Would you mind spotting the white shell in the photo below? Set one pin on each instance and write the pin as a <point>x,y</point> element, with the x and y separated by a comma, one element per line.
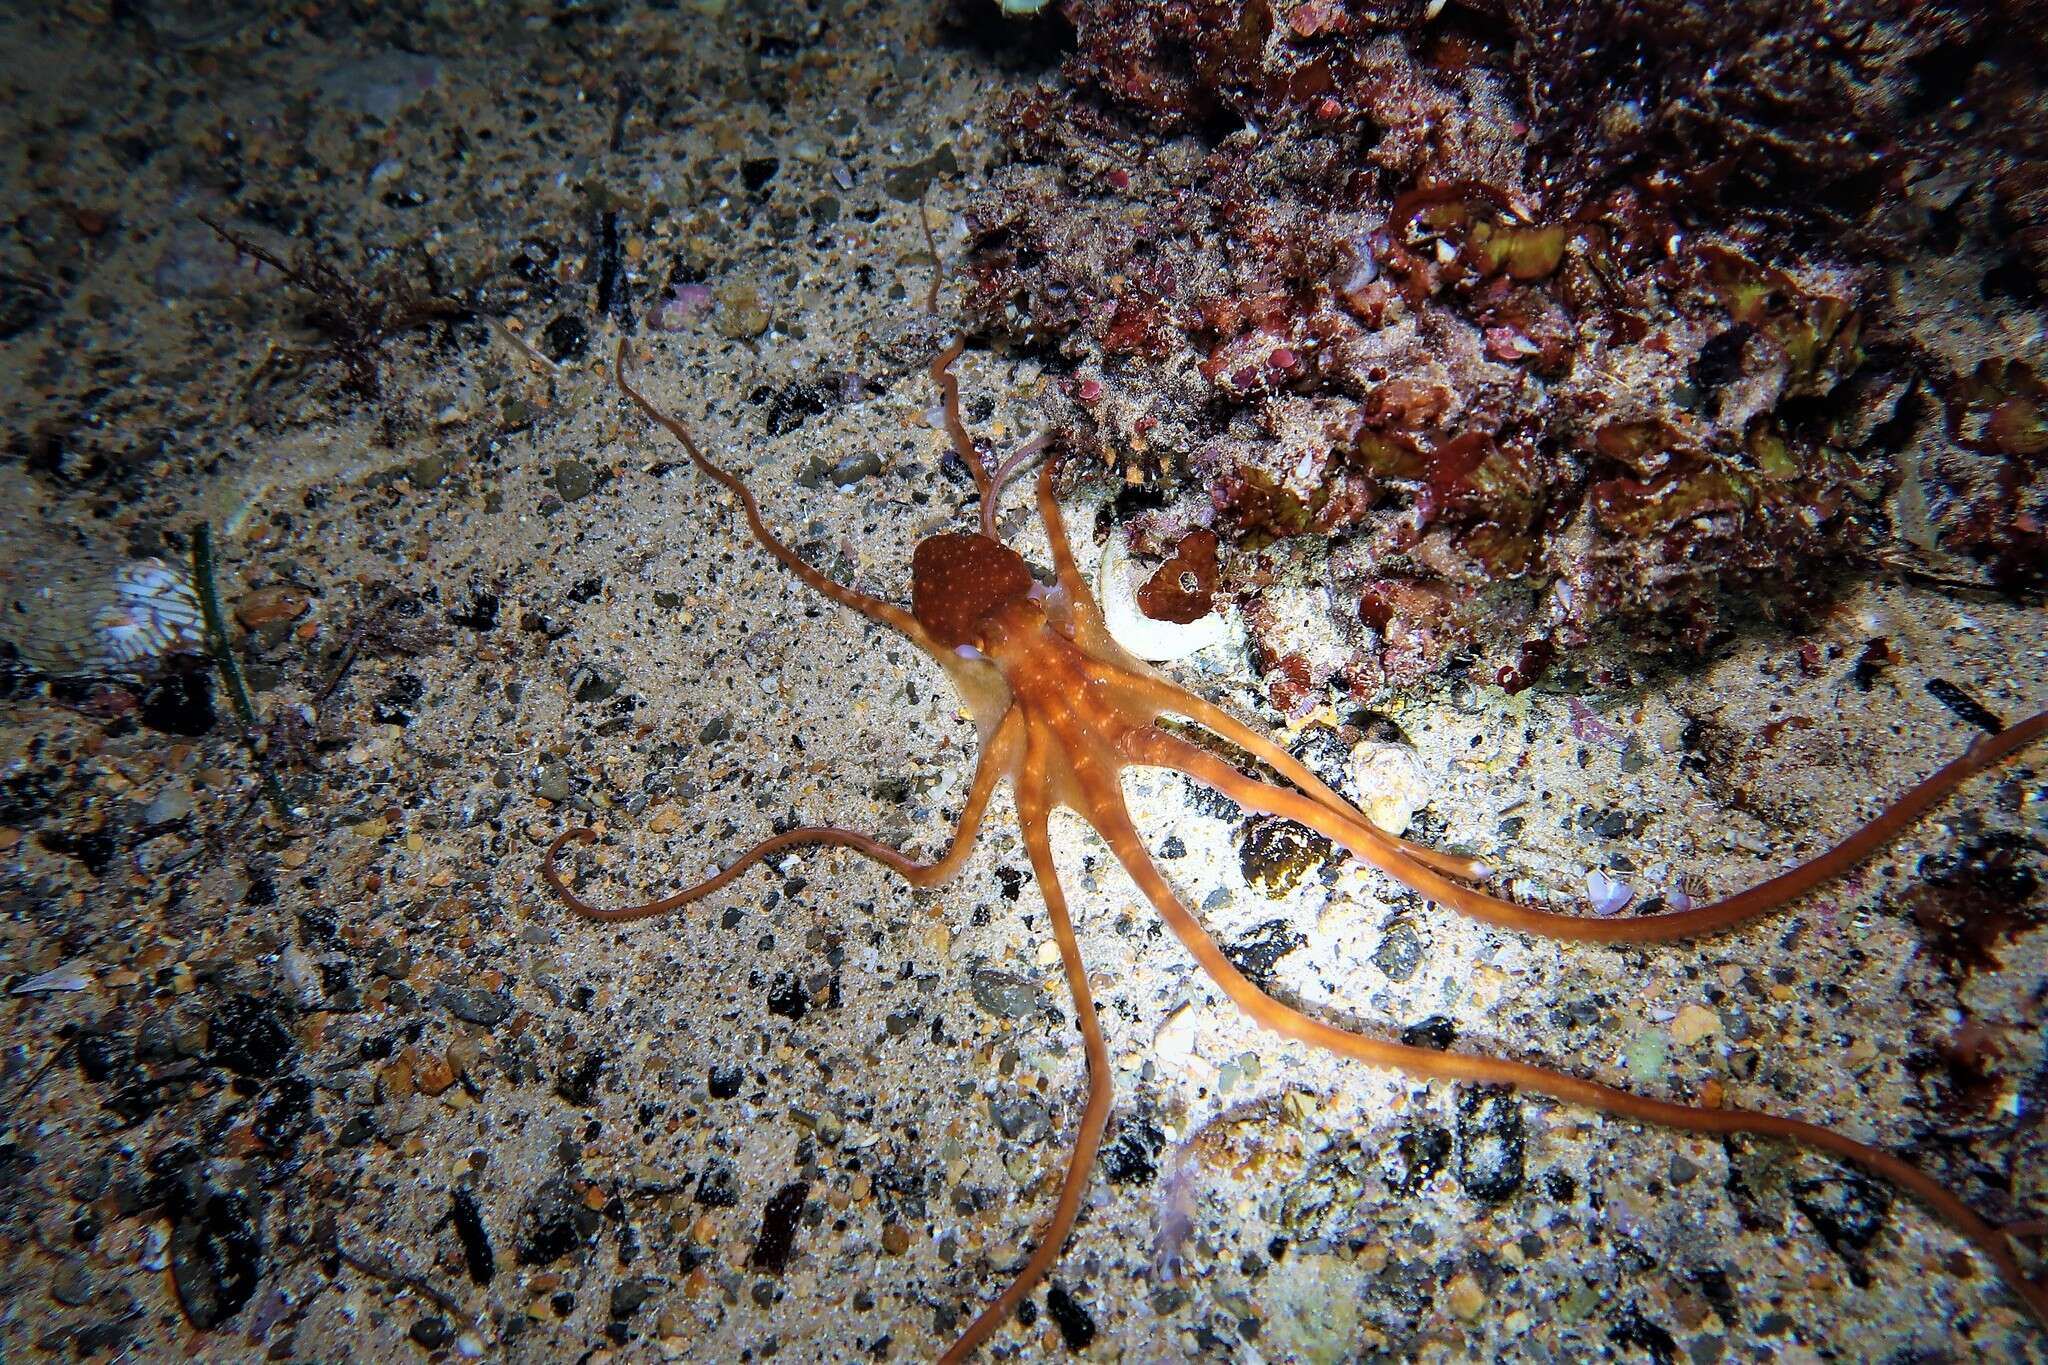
<point>1116,589</point>
<point>94,617</point>
<point>1389,783</point>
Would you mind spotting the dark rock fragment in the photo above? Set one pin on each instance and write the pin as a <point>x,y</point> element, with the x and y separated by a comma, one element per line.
<point>565,338</point>
<point>779,1223</point>
<point>1077,1329</point>
<point>630,1296</point>
<point>432,1333</point>
<point>1275,853</point>
<point>1490,1143</point>
<point>554,1222</point>
<point>283,1113</point>
<point>578,1083</point>
<point>1133,1158</point>
<point>1020,1117</point>
<point>1004,994</point>
<point>180,703</point>
<point>1257,951</point>
<point>1435,1032</point>
<point>216,1257</point>
<point>787,997</point>
<point>246,1036</point>
<point>1416,1157</point>
<point>1400,952</point>
<point>466,1216</point>
<point>719,1186</point>
<point>472,1006</point>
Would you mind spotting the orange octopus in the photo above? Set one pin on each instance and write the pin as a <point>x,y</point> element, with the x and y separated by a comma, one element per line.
<point>1063,711</point>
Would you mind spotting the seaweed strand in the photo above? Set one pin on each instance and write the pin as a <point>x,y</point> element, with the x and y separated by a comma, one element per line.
<point>230,671</point>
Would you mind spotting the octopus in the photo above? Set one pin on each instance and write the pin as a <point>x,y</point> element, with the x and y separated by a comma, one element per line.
<point>1063,711</point>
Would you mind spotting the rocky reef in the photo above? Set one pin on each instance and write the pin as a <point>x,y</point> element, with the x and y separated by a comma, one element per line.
<point>1538,330</point>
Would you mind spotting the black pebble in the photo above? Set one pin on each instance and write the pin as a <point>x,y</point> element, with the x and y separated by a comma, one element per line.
<point>1416,1157</point>
<point>1255,952</point>
<point>216,1258</point>
<point>1133,1159</point>
<point>778,1227</point>
<point>248,1038</point>
<point>468,1220</point>
<point>180,703</point>
<point>787,997</point>
<point>1490,1143</point>
<point>553,1223</point>
<point>578,1084</point>
<point>432,1333</point>
<point>719,1186</point>
<point>566,338</point>
<point>1435,1032</point>
<point>1076,1327</point>
<point>1965,706</point>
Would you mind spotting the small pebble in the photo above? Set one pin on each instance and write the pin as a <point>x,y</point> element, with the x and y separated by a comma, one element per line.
<point>172,803</point>
<point>432,1333</point>
<point>1693,1023</point>
<point>1464,1298</point>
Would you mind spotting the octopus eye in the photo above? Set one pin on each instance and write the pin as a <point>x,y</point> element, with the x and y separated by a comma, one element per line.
<point>957,581</point>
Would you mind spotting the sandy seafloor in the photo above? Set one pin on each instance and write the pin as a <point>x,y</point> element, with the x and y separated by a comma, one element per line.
<point>322,1059</point>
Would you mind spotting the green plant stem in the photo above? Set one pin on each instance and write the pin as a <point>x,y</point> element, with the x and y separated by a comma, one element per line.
<point>230,671</point>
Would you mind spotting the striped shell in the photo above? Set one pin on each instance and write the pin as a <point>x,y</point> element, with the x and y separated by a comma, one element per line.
<point>94,617</point>
<point>1116,589</point>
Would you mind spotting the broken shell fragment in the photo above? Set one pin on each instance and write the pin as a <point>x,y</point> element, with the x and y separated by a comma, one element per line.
<point>1117,582</point>
<point>1389,782</point>
<point>271,606</point>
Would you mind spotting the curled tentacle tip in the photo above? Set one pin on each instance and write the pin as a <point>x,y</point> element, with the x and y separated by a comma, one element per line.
<point>582,834</point>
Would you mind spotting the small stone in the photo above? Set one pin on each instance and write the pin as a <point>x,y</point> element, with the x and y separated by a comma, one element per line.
<point>594,683</point>
<point>473,1006</point>
<point>907,184</point>
<point>1646,1057</point>
<point>854,468</point>
<point>1023,1118</point>
<point>573,480</point>
<point>740,314</point>
<point>1693,1023</point>
<point>566,338</point>
<point>629,1297</point>
<point>552,780</point>
<point>1400,952</point>
<point>433,1075</point>
<point>1391,782</point>
<point>432,1333</point>
<point>1004,994</point>
<point>1464,1298</point>
<point>172,803</point>
<point>427,472</point>
<point>896,1239</point>
<point>71,1285</point>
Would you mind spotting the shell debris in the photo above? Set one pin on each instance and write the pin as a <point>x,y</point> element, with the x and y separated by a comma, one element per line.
<point>96,616</point>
